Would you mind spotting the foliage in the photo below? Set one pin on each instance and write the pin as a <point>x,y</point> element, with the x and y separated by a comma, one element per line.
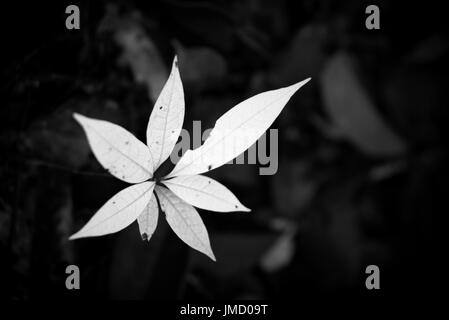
<point>362,176</point>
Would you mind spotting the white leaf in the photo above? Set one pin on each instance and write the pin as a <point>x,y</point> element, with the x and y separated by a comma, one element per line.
<point>118,150</point>
<point>205,193</point>
<point>166,119</point>
<point>236,131</point>
<point>185,221</point>
<point>148,219</point>
<point>119,212</point>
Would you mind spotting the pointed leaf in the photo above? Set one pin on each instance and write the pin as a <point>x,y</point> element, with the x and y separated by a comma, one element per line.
<point>236,131</point>
<point>148,219</point>
<point>185,221</point>
<point>205,193</point>
<point>119,212</point>
<point>118,150</point>
<point>166,119</point>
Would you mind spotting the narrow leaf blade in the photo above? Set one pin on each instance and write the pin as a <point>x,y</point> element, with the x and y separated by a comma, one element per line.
<point>236,131</point>
<point>118,212</point>
<point>117,150</point>
<point>185,221</point>
<point>147,220</point>
<point>205,193</point>
<point>166,119</point>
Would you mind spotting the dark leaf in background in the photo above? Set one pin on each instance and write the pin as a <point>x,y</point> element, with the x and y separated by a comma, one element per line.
<point>140,54</point>
<point>293,188</point>
<point>353,112</point>
<point>200,67</point>
<point>304,57</point>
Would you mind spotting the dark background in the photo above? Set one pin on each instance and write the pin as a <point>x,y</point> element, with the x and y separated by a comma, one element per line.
<point>362,177</point>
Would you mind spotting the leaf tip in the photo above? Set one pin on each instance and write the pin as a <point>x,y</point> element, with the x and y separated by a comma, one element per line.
<point>242,208</point>
<point>74,236</point>
<point>299,84</point>
<point>78,117</point>
<point>211,255</point>
<point>80,234</point>
<point>175,61</point>
<point>146,237</point>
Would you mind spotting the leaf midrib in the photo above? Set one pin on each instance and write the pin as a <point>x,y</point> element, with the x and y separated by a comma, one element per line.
<point>185,220</point>
<point>234,129</point>
<point>199,190</point>
<point>121,209</point>
<point>119,151</point>
<point>166,121</point>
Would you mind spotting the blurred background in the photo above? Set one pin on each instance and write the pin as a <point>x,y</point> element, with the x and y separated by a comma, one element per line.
<point>362,176</point>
